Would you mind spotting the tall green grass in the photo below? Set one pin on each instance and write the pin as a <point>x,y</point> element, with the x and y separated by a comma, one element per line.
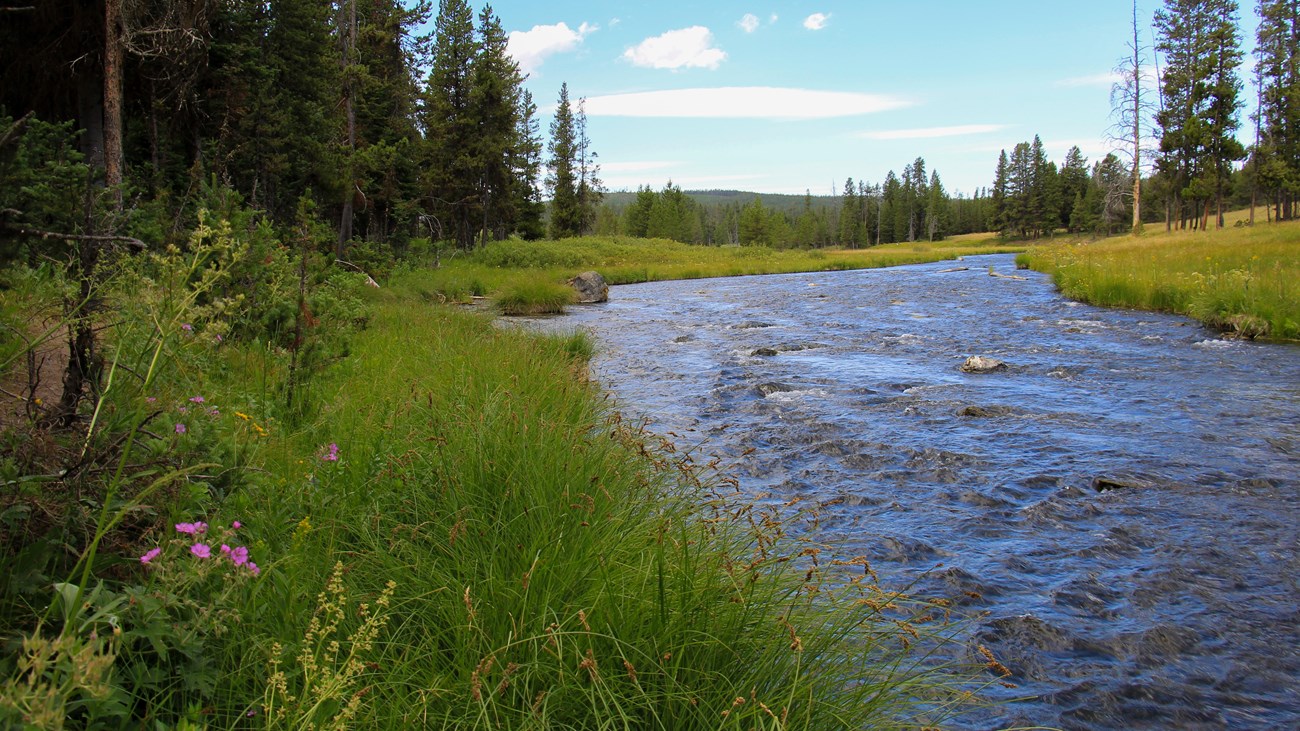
<point>555,567</point>
<point>1244,280</point>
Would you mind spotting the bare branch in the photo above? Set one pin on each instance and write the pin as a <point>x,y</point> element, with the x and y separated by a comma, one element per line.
<point>129,240</point>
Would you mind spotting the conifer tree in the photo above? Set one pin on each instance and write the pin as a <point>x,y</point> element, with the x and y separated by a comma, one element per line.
<point>562,178</point>
<point>590,188</point>
<point>1276,159</point>
<point>850,229</point>
<point>452,169</point>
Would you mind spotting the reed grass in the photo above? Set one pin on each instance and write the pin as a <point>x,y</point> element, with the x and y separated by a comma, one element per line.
<point>1244,280</point>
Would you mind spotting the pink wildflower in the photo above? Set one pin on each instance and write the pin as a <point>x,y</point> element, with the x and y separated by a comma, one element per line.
<point>225,549</point>
<point>150,399</point>
<point>253,569</point>
<point>180,428</point>
<point>187,327</point>
<point>239,554</point>
<point>332,453</point>
<point>194,529</point>
<point>202,550</point>
<point>196,399</point>
<point>150,555</point>
<point>236,525</point>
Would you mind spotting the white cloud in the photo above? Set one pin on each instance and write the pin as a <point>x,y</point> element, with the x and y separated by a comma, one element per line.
<point>689,47</point>
<point>816,21</point>
<point>749,23</point>
<point>772,20</point>
<point>531,47</point>
<point>735,102</point>
<point>922,133</point>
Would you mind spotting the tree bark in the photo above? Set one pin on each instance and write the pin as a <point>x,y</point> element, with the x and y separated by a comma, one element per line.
<point>113,100</point>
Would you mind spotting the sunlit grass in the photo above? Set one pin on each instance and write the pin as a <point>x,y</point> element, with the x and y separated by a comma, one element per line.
<point>502,269</point>
<point>1240,279</point>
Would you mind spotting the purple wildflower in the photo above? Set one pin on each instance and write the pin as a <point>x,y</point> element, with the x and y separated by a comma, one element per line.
<point>186,528</point>
<point>332,453</point>
<point>202,550</point>
<point>253,569</point>
<point>180,429</point>
<point>239,555</point>
<point>196,399</point>
<point>187,327</point>
<point>236,525</point>
<point>150,399</point>
<point>150,555</point>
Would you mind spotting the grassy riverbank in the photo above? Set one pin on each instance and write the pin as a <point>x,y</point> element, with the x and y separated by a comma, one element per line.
<point>1242,279</point>
<point>526,276</point>
<point>442,525</point>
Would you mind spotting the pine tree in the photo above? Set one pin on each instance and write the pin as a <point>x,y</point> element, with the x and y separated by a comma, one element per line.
<point>1200,88</point>
<point>850,228</point>
<point>936,208</point>
<point>562,178</point>
<point>494,105</point>
<point>452,169</point>
<point>590,188</point>
<point>1276,159</point>
<point>1073,178</point>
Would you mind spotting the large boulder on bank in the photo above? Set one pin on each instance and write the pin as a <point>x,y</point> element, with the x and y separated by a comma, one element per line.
<point>591,288</point>
<point>982,364</point>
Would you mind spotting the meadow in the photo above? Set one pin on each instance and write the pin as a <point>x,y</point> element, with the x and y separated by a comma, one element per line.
<point>528,277</point>
<point>1244,280</point>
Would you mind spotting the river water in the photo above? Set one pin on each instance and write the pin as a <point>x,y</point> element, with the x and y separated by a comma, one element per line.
<point>1118,508</point>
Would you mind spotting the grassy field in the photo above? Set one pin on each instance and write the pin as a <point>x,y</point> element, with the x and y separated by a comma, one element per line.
<point>506,270</point>
<point>1242,279</point>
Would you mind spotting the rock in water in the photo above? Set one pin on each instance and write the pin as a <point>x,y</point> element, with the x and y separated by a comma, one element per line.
<point>764,352</point>
<point>591,288</point>
<point>981,364</point>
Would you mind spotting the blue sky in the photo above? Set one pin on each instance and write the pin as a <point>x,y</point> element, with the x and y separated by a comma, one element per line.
<point>785,97</point>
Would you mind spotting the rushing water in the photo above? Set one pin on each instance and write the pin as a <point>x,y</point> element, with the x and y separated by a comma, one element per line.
<point>1118,507</point>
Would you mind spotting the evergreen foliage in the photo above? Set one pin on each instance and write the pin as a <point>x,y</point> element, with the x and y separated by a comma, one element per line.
<point>1275,161</point>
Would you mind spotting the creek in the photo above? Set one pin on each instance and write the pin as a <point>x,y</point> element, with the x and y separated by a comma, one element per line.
<point>1116,510</point>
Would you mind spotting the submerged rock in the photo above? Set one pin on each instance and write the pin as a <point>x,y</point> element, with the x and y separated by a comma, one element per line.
<point>591,288</point>
<point>983,412</point>
<point>1104,483</point>
<point>765,352</point>
<point>767,389</point>
<point>982,364</point>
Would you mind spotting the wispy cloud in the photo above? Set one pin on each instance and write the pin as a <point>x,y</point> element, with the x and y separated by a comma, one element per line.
<point>921,133</point>
<point>740,102</point>
<point>816,21</point>
<point>636,166</point>
<point>689,47</point>
<point>749,23</point>
<point>1105,79</point>
<point>531,47</point>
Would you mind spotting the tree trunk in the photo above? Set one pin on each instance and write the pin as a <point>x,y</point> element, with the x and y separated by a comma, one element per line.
<point>113,100</point>
<point>349,36</point>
